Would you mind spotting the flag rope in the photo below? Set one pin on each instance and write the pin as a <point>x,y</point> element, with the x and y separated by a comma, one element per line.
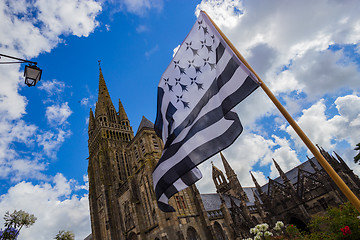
<point>334,176</point>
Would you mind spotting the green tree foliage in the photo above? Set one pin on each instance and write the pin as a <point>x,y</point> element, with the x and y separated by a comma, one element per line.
<point>65,235</point>
<point>338,223</point>
<point>14,222</point>
<point>357,157</point>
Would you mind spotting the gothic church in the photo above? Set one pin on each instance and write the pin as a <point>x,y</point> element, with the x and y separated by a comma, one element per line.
<point>122,200</point>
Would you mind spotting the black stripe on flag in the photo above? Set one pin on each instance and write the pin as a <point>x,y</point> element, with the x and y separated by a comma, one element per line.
<point>201,154</point>
<point>170,111</point>
<point>158,126</point>
<point>208,149</point>
<point>198,137</point>
<point>215,87</point>
<point>219,52</point>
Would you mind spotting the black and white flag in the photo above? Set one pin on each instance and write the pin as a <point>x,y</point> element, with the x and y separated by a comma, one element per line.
<point>196,94</point>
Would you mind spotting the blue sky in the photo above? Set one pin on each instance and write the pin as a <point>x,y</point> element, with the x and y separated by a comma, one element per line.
<point>307,52</point>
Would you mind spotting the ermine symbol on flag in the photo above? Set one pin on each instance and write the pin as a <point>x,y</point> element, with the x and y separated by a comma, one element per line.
<point>196,94</point>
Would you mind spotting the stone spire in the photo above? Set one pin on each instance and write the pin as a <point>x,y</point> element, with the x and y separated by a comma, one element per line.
<point>258,188</point>
<point>229,171</point>
<point>122,113</point>
<point>219,180</point>
<point>292,189</point>
<point>91,122</point>
<point>263,196</point>
<point>313,165</point>
<point>286,180</point>
<point>103,91</point>
<point>215,171</point>
<point>282,174</point>
<point>234,183</point>
<point>104,102</point>
<point>259,207</point>
<point>333,162</point>
<point>342,162</point>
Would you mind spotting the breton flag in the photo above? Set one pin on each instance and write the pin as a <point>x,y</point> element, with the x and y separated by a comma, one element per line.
<point>202,84</point>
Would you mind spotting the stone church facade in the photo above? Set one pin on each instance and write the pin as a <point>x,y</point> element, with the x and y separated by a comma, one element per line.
<point>123,204</point>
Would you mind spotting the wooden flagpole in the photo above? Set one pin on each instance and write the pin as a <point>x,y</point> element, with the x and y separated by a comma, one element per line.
<point>335,177</point>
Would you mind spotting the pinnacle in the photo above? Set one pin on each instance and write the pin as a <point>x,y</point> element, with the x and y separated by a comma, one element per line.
<point>104,100</point>
<point>229,171</point>
<point>255,181</point>
<point>122,113</point>
<point>91,120</point>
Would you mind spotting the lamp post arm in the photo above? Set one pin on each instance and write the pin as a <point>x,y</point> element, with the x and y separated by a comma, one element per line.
<point>22,60</point>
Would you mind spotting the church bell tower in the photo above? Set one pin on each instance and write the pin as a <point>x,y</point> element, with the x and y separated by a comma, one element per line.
<point>109,133</point>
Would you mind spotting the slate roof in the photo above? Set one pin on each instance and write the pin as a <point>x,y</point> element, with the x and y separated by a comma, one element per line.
<point>293,173</point>
<point>212,201</point>
<point>145,123</point>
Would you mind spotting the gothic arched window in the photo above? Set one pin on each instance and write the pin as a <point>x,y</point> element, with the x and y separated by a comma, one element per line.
<point>120,167</point>
<point>219,232</point>
<point>155,143</point>
<point>192,234</point>
<point>136,153</point>
<point>142,146</point>
<point>127,165</point>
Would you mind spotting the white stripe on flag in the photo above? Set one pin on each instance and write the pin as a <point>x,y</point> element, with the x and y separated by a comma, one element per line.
<point>180,185</point>
<point>230,87</point>
<point>199,87</point>
<point>198,139</point>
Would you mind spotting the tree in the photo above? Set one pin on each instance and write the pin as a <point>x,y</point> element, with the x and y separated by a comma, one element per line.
<point>341,222</point>
<point>14,222</point>
<point>357,157</point>
<point>65,235</point>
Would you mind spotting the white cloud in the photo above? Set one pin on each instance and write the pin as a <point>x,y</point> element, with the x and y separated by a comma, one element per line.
<point>86,184</point>
<point>253,107</point>
<point>58,114</point>
<point>54,204</point>
<point>39,24</point>
<point>84,101</point>
<point>12,104</point>
<point>225,13</point>
<point>139,7</point>
<point>288,46</point>
<point>53,87</point>
<point>318,73</point>
<point>246,154</point>
<point>53,19</point>
<point>327,131</point>
<point>260,178</point>
<point>152,51</point>
<point>247,151</point>
<point>68,17</point>
<point>51,142</point>
<point>26,168</point>
<point>13,166</point>
<point>142,28</point>
<point>284,156</point>
<point>349,108</point>
<point>273,35</point>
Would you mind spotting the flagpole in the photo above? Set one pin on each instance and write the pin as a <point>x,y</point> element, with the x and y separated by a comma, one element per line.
<point>335,177</point>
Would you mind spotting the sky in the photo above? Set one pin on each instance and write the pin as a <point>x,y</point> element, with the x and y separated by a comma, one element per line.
<point>307,52</point>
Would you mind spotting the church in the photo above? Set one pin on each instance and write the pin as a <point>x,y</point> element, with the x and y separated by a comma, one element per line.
<point>123,204</point>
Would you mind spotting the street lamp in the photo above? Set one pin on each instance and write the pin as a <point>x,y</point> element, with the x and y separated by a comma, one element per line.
<point>32,73</point>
